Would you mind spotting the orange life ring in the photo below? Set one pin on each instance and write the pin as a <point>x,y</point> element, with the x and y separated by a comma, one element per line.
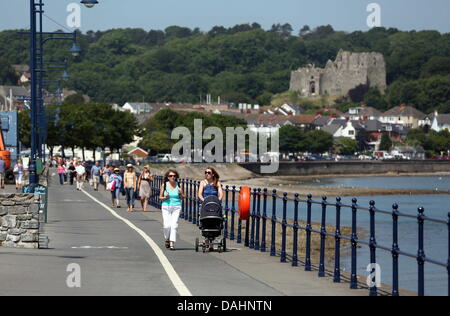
<point>244,203</point>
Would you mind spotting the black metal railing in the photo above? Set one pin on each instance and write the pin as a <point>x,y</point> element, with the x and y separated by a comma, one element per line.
<point>256,229</point>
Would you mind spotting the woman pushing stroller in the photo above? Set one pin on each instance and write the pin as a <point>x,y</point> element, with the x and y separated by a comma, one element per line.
<point>210,216</point>
<point>211,185</point>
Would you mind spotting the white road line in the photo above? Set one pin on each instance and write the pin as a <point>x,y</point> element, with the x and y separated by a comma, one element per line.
<point>173,275</point>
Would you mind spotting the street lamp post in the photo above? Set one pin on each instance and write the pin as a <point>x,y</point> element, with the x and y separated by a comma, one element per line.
<point>34,178</point>
<point>36,104</point>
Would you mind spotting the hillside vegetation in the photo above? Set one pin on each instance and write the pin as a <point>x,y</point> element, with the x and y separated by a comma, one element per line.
<point>244,63</point>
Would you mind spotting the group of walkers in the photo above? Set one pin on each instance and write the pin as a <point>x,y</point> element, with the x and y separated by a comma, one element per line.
<point>71,172</point>
<point>135,185</point>
<point>131,185</point>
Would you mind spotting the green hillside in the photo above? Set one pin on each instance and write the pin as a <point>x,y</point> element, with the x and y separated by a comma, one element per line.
<point>241,64</point>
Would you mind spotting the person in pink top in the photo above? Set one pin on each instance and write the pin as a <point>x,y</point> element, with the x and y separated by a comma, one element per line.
<point>61,173</point>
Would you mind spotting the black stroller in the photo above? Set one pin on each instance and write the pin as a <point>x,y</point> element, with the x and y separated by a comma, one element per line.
<point>211,224</point>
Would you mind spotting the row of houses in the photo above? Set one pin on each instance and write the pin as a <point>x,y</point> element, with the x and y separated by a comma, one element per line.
<point>364,124</point>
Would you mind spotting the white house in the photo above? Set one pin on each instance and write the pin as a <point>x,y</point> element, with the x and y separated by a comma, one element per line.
<point>292,109</point>
<point>440,122</point>
<point>137,108</point>
<point>362,113</point>
<point>339,129</point>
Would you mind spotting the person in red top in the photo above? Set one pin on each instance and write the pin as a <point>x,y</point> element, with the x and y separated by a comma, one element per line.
<point>61,173</point>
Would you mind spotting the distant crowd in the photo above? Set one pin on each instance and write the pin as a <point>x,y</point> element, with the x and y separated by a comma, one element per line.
<point>136,185</point>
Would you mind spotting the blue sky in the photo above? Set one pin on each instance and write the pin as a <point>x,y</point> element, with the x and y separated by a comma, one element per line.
<point>346,15</point>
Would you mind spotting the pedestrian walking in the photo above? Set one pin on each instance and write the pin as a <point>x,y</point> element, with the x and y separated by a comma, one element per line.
<point>144,187</point>
<point>2,173</point>
<point>61,174</point>
<point>105,173</point>
<point>81,174</point>
<point>18,175</point>
<point>72,173</point>
<point>114,185</point>
<point>171,195</point>
<point>95,175</point>
<point>210,185</point>
<point>130,184</point>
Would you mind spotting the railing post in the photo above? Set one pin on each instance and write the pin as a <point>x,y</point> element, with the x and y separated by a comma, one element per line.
<point>233,211</point>
<point>190,201</point>
<point>258,220</point>
<point>308,234</point>
<point>284,228</point>
<point>264,222</point>
<point>227,192</point>
<point>196,204</point>
<point>421,253</point>
<point>354,277</point>
<point>158,193</point>
<point>337,253</point>
<point>323,231</point>
<point>448,260</point>
<point>296,227</point>
<point>273,251</point>
<point>253,220</point>
<point>155,189</point>
<point>373,248</point>
<point>239,233</point>
<point>183,202</point>
<point>395,251</point>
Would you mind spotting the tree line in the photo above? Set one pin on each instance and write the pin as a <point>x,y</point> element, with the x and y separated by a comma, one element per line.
<point>244,63</point>
<point>76,124</point>
<point>156,132</point>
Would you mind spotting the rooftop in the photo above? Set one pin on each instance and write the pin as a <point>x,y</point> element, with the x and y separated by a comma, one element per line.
<point>403,110</point>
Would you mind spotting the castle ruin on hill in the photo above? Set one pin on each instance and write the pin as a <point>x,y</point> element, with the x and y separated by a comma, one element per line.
<point>348,71</point>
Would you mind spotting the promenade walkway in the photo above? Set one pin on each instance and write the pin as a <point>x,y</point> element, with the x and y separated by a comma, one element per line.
<point>122,253</point>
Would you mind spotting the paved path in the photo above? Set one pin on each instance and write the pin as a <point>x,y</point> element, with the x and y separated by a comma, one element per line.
<point>114,251</point>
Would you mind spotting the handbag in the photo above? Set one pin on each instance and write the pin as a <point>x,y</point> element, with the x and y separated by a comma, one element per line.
<point>111,186</point>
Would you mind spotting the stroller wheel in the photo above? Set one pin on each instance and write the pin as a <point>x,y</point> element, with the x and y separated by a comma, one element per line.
<point>224,245</point>
<point>196,244</point>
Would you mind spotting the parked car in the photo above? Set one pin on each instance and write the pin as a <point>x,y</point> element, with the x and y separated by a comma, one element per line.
<point>150,159</point>
<point>164,158</point>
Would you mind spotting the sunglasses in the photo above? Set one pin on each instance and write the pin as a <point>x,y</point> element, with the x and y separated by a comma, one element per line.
<point>208,172</point>
<point>172,176</point>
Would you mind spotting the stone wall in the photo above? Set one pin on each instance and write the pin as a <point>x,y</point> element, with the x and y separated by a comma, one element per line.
<point>19,221</point>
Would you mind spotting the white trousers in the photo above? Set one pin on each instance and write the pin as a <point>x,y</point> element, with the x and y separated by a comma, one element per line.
<point>171,214</point>
<point>80,182</point>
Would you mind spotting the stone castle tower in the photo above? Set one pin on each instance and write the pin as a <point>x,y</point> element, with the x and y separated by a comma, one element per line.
<point>339,77</point>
